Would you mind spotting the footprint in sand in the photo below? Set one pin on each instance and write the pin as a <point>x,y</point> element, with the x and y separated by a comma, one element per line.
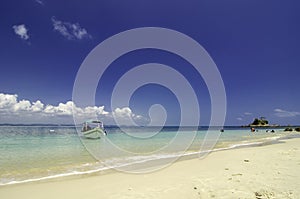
<point>262,194</point>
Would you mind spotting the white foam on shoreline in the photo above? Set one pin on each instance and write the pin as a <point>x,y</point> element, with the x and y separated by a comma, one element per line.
<point>139,160</point>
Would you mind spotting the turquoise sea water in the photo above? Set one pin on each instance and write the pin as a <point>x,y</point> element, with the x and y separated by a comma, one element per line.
<point>32,153</point>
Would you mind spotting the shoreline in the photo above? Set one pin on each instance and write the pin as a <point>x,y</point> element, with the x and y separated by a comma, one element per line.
<point>188,155</point>
<point>252,170</point>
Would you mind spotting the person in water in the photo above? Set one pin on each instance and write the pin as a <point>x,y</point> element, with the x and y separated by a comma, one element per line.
<point>86,127</point>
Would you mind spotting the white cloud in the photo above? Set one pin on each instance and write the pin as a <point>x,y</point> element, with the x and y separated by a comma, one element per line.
<point>95,110</point>
<point>23,105</point>
<point>61,109</point>
<point>247,113</point>
<point>69,30</point>
<point>37,106</point>
<point>13,110</point>
<point>7,100</point>
<point>21,31</point>
<point>284,113</point>
<point>124,116</point>
<point>239,118</point>
<point>40,2</point>
<point>123,112</point>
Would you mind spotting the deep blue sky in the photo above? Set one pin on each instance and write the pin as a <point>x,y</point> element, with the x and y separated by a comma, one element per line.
<point>254,43</point>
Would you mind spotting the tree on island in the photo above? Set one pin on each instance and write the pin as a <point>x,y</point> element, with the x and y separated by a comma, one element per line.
<point>260,122</point>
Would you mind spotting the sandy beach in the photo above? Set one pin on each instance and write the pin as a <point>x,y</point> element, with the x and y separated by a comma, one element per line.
<point>270,171</point>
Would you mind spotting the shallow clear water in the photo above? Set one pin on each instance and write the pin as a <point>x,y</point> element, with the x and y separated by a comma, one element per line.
<point>30,153</point>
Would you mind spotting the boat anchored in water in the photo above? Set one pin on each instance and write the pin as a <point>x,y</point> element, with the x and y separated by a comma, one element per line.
<point>93,129</point>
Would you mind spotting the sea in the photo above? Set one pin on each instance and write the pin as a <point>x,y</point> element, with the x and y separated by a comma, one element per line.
<point>38,153</point>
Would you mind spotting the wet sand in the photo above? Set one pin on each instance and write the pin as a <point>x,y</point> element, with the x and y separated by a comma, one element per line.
<point>270,171</point>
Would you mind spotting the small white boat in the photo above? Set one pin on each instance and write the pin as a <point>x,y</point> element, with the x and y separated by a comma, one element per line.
<point>93,129</point>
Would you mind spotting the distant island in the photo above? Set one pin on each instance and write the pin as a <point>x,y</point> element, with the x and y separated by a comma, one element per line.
<point>261,122</point>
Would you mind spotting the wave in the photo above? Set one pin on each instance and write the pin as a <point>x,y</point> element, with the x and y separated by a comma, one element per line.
<point>116,163</point>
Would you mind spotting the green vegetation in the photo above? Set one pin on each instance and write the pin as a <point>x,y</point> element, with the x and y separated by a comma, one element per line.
<point>260,122</point>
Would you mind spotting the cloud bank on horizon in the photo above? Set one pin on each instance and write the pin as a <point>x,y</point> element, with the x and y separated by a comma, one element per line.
<point>25,111</point>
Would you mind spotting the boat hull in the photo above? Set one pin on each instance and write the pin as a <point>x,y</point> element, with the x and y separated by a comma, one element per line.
<point>95,133</point>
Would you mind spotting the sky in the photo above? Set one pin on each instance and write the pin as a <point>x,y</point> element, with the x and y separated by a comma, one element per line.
<point>254,44</point>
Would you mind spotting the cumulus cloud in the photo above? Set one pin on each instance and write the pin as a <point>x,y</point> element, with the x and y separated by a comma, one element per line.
<point>284,113</point>
<point>69,30</point>
<point>23,105</point>
<point>7,100</point>
<point>13,110</point>
<point>37,106</point>
<point>125,115</point>
<point>239,118</point>
<point>21,31</point>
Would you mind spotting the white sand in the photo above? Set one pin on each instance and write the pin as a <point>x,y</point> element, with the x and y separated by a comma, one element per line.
<point>271,171</point>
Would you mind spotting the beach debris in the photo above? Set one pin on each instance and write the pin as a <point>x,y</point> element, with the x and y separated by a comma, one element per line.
<point>236,174</point>
<point>227,169</point>
<point>246,160</point>
<point>195,188</point>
